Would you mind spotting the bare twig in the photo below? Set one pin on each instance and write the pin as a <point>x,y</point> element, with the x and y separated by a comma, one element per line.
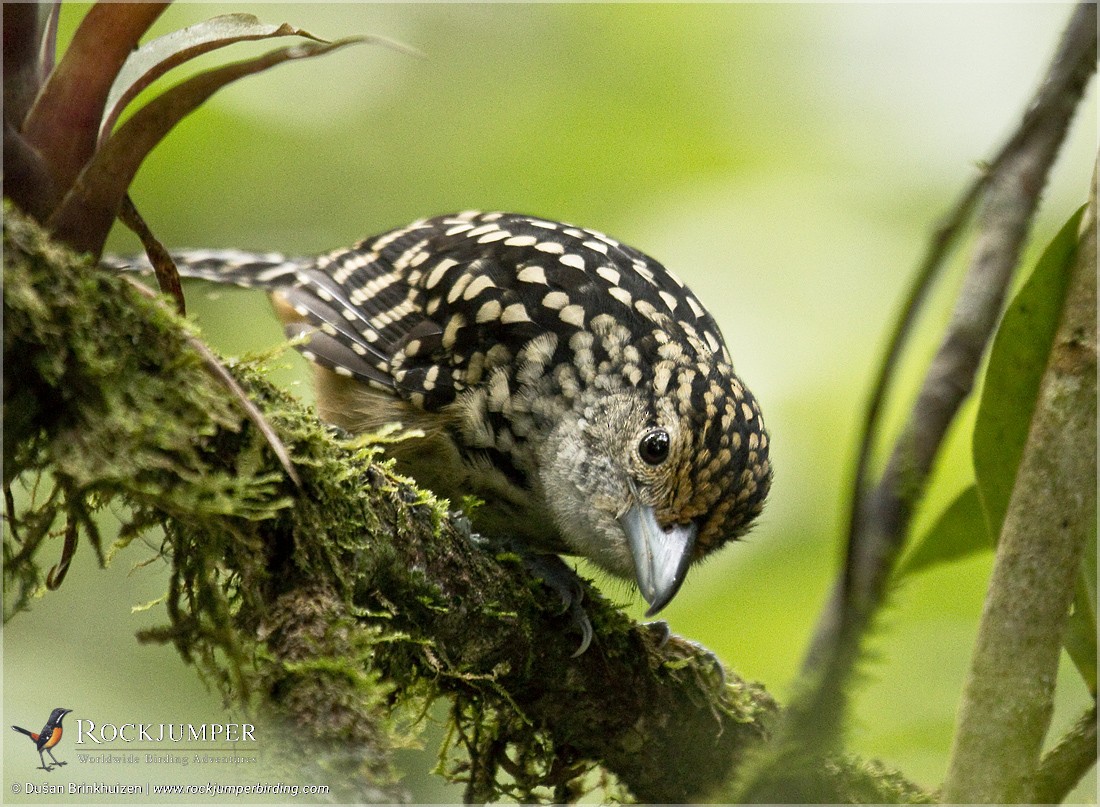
<point>881,514</point>
<point>217,369</point>
<point>1009,694</point>
<point>1064,765</point>
<point>168,276</point>
<point>943,241</point>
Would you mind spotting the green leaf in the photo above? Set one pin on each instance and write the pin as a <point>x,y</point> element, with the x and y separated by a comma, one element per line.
<point>959,532</point>
<point>1016,365</point>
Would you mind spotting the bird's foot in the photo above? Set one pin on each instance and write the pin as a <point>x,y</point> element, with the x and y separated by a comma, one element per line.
<point>46,768</point>
<point>715,663</point>
<point>551,570</point>
<point>680,646</point>
<point>556,573</point>
<point>709,658</point>
<point>59,764</point>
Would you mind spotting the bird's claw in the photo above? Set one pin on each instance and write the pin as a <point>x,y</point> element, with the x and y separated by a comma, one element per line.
<point>584,625</point>
<point>710,658</point>
<point>683,647</point>
<point>553,571</point>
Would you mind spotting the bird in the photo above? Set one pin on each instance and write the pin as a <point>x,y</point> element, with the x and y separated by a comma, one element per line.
<point>570,382</point>
<point>49,737</point>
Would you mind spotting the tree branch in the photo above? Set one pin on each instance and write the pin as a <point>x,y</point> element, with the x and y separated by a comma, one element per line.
<point>1064,765</point>
<point>881,515</point>
<point>1008,699</point>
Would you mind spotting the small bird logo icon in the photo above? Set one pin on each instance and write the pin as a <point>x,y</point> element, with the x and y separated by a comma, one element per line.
<point>49,737</point>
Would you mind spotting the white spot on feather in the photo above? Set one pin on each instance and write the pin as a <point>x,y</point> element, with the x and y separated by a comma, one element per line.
<point>556,300</point>
<point>514,313</point>
<point>572,259</point>
<point>476,286</point>
<point>532,274</point>
<point>621,294</point>
<point>489,311</point>
<point>437,273</point>
<point>573,315</point>
<point>612,276</point>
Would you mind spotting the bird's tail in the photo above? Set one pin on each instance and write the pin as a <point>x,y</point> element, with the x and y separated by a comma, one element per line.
<point>24,731</point>
<point>248,269</point>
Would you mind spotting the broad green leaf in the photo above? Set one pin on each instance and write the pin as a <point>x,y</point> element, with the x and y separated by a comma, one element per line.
<point>1016,365</point>
<point>959,532</point>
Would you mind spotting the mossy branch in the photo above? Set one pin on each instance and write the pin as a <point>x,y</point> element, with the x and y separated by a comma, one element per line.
<point>336,604</point>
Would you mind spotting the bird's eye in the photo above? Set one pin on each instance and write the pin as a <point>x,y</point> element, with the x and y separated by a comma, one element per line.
<point>654,446</point>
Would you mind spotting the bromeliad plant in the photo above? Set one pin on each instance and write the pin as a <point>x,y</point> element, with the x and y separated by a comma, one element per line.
<point>66,161</point>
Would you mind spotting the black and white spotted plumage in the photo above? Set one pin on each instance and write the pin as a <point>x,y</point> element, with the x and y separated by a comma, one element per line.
<point>537,355</point>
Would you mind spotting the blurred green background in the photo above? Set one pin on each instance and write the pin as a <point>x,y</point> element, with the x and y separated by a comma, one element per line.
<point>787,161</point>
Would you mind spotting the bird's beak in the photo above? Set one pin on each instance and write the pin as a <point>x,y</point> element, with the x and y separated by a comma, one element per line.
<point>661,556</point>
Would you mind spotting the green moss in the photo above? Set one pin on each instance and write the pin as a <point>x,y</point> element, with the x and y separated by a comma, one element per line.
<point>106,400</point>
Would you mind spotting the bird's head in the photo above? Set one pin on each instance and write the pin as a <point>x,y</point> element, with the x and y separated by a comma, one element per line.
<point>57,714</point>
<point>660,470</point>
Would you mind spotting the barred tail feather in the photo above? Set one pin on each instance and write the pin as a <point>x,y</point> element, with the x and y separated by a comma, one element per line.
<point>232,266</point>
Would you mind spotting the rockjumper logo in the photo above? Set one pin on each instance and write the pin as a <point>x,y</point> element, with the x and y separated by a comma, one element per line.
<point>88,731</point>
<point>46,739</point>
